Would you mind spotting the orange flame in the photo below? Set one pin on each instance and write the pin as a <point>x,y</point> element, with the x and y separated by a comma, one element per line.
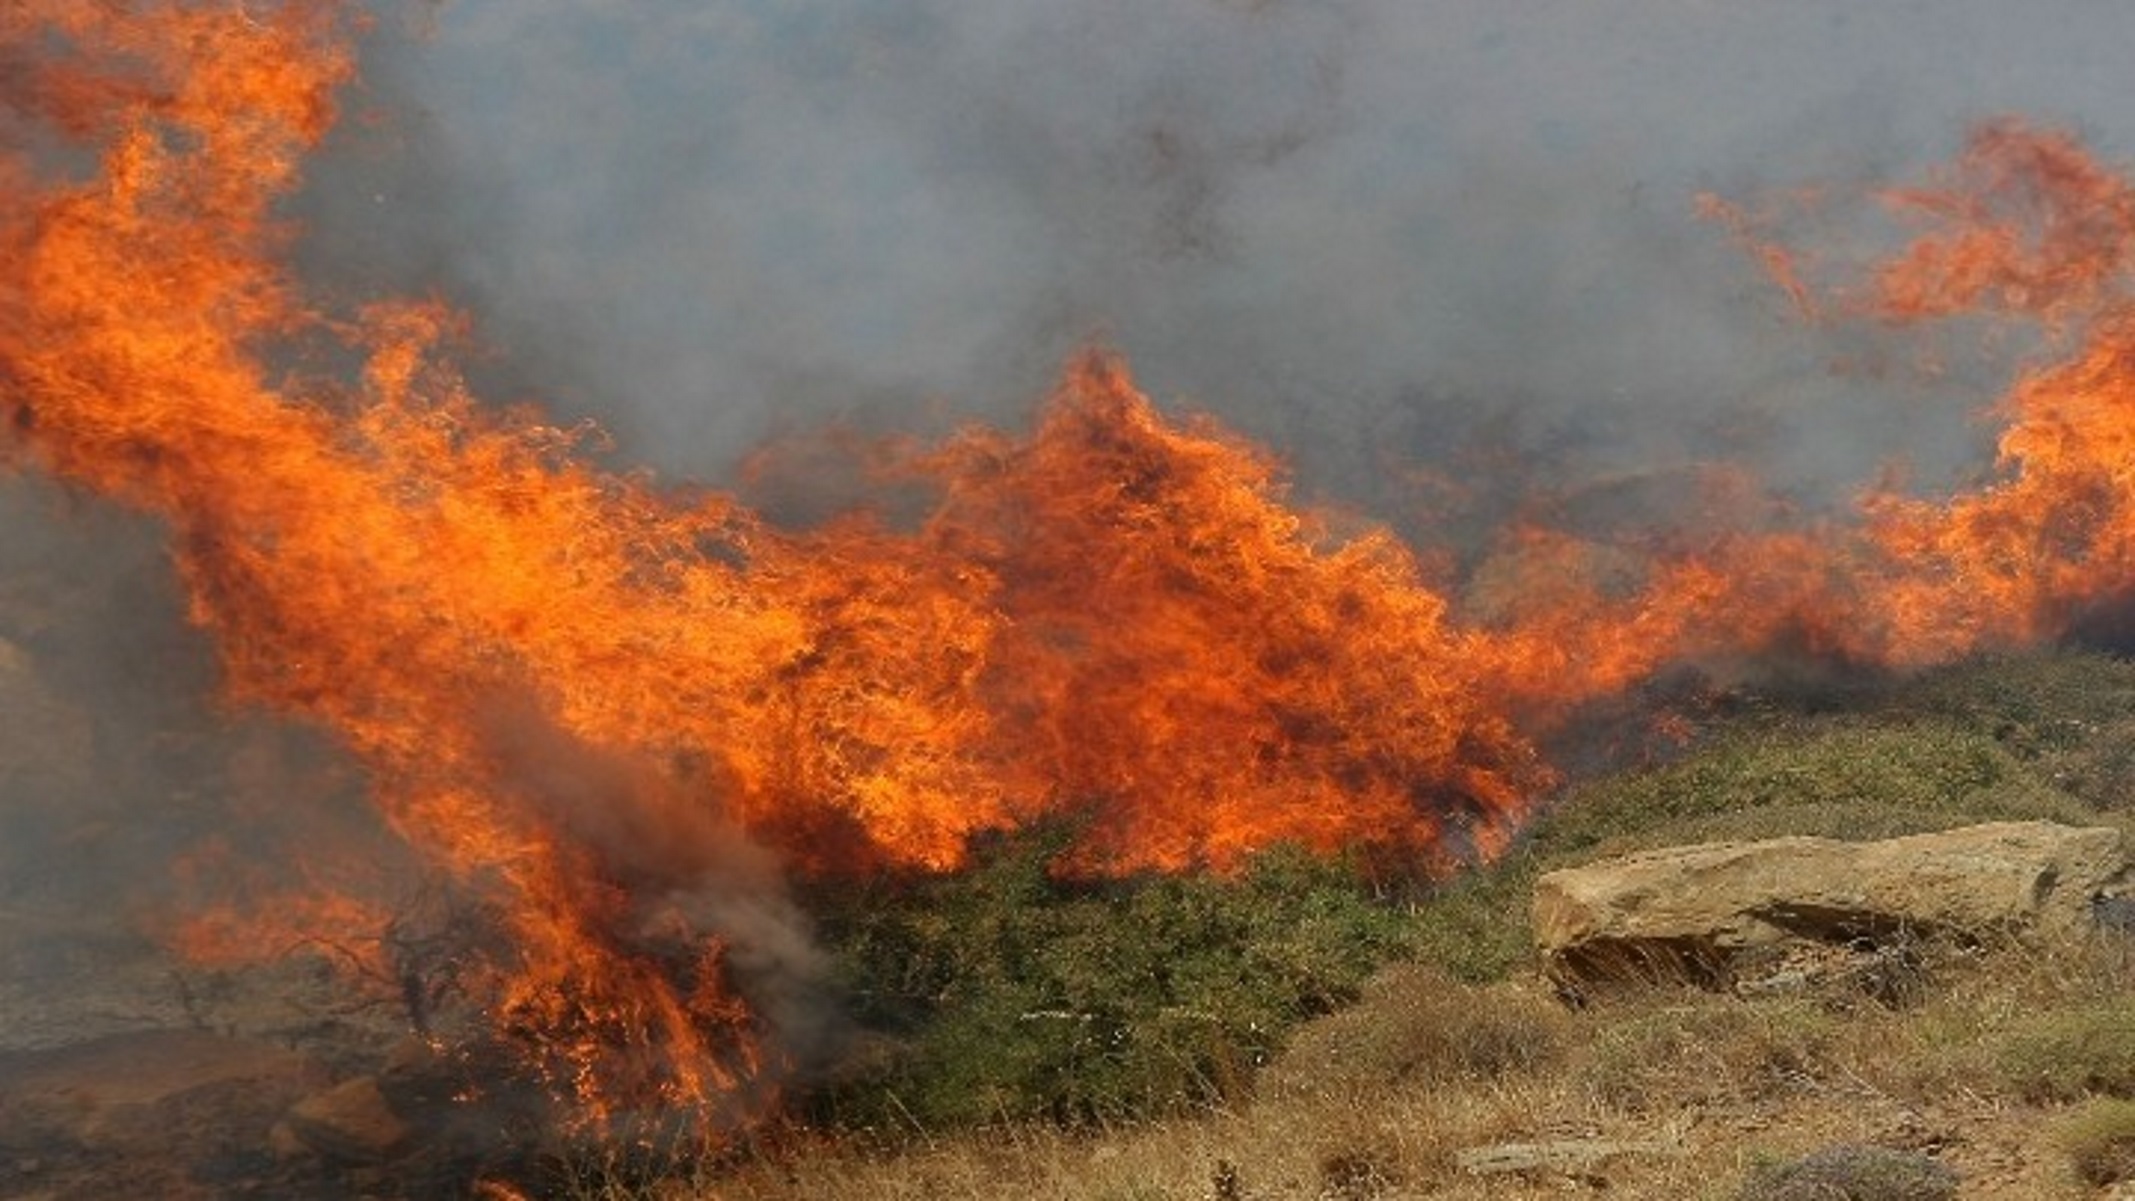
<point>570,688</point>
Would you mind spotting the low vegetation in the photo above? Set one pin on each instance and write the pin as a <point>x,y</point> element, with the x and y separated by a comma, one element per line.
<point>2099,1137</point>
<point>1004,994</point>
<point>2072,1053</point>
<point>1313,1030</point>
<point>1852,1172</point>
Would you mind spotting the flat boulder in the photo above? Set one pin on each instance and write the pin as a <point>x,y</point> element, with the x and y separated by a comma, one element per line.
<point>1701,912</point>
<point>351,1121</point>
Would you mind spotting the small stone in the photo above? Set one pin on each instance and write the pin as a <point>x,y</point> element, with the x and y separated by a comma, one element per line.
<point>1568,1156</point>
<point>283,1141</point>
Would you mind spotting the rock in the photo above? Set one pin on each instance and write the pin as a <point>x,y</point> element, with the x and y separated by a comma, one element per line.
<point>2113,913</point>
<point>1698,912</point>
<point>1571,1157</point>
<point>350,1121</point>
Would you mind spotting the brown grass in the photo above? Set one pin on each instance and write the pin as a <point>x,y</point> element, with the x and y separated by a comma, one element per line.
<point>1380,1099</point>
<point>2100,1140</point>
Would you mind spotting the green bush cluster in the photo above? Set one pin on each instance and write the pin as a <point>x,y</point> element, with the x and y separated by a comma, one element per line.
<point>1003,993</point>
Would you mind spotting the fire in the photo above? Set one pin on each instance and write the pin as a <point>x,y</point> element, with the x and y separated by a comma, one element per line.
<point>579,693</point>
<point>593,701</point>
<point>1199,662</point>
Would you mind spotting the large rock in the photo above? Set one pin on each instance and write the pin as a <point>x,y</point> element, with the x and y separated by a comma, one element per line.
<point>351,1121</point>
<point>1699,911</point>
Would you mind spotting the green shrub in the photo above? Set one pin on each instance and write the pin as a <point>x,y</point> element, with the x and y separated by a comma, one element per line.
<point>1010,994</point>
<point>1852,777</point>
<point>1850,1172</point>
<point>2068,1053</point>
<point>2099,1138</point>
<point>1476,927</point>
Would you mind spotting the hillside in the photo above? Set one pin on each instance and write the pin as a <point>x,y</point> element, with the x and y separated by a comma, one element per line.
<point>2007,1063</point>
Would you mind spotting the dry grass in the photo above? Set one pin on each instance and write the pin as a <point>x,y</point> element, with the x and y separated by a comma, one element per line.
<point>2100,1140</point>
<point>1415,1026</point>
<point>1380,1099</point>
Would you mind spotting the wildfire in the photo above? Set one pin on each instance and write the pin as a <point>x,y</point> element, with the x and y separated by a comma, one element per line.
<point>590,699</point>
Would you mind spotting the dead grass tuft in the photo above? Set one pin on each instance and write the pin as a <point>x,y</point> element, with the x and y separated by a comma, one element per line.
<point>1414,1024</point>
<point>1658,1051</point>
<point>1356,1176</point>
<point>2067,1054</point>
<point>2099,1138</point>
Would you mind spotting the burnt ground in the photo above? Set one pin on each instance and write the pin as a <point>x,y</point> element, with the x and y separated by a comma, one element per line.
<point>125,1074</point>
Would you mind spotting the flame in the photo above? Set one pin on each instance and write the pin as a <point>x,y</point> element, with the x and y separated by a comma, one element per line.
<point>587,698</point>
<point>576,691</point>
<point>1199,662</point>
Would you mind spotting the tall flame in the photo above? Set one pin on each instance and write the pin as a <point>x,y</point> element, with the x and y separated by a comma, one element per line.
<point>572,688</point>
<point>581,693</point>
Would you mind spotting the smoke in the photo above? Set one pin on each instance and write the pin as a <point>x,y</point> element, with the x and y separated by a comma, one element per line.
<point>689,872</point>
<point>1372,234</point>
<point>117,767</point>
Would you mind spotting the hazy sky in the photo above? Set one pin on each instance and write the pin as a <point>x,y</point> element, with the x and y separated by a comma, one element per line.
<point>1357,228</point>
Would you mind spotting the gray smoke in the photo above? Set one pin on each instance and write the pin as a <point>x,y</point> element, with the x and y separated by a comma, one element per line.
<point>688,870</point>
<point>1371,233</point>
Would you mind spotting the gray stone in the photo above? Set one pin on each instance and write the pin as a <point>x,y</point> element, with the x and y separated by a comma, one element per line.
<point>1572,1157</point>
